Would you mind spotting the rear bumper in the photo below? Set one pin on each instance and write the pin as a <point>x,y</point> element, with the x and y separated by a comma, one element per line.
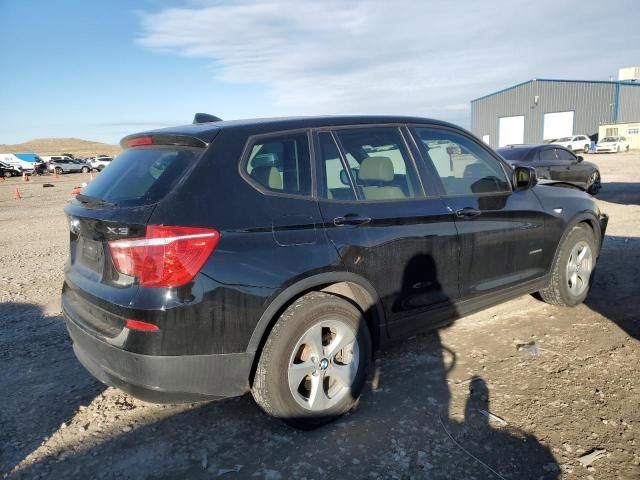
<point>161,379</point>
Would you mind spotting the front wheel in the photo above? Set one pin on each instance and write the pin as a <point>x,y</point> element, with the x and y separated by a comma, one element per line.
<point>593,183</point>
<point>315,361</point>
<point>573,268</point>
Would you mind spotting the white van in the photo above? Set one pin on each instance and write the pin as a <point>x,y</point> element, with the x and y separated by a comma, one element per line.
<point>22,161</point>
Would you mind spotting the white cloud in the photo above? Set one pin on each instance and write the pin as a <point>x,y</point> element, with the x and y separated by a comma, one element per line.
<point>405,57</point>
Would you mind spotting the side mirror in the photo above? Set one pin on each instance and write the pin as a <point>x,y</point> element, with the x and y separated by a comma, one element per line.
<point>524,178</point>
<point>580,158</point>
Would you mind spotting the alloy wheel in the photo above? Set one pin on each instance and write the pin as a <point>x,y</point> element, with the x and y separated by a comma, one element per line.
<point>323,365</point>
<point>579,268</point>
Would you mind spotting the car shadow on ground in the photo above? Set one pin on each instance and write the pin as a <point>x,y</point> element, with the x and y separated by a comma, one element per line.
<point>402,428</point>
<point>611,294</point>
<point>41,382</point>
<point>620,192</point>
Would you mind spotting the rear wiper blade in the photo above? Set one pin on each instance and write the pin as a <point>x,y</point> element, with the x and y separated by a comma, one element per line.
<point>94,201</point>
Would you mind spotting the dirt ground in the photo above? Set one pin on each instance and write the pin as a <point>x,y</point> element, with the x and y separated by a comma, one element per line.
<point>464,402</point>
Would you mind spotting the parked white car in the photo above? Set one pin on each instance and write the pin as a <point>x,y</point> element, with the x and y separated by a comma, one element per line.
<point>575,143</point>
<point>612,144</point>
<point>100,162</point>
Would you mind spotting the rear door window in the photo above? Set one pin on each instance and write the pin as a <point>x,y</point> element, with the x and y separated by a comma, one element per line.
<point>281,164</point>
<point>144,175</point>
<point>379,163</point>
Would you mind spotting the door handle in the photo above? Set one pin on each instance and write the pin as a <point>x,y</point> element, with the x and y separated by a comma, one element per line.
<point>351,219</point>
<point>467,212</point>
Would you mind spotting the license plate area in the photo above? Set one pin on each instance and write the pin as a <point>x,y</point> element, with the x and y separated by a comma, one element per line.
<point>90,256</point>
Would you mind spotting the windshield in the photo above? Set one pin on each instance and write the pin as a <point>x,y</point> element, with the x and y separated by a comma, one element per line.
<point>609,139</point>
<point>141,176</point>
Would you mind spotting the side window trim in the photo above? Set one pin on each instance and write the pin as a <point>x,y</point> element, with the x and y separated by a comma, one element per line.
<point>321,182</point>
<point>505,170</point>
<point>246,153</point>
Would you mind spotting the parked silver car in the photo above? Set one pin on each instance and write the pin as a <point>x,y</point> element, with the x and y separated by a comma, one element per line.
<point>68,166</point>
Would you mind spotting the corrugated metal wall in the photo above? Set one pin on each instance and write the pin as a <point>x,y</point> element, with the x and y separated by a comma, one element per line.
<point>592,102</point>
<point>629,103</point>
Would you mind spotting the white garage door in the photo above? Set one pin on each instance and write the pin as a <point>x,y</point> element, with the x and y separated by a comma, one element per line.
<point>557,125</point>
<point>510,130</point>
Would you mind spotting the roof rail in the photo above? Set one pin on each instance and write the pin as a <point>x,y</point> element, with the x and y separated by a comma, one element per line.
<point>205,118</point>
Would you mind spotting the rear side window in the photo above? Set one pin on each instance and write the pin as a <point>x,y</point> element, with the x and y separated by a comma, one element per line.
<point>281,164</point>
<point>463,165</point>
<point>548,155</point>
<point>140,176</point>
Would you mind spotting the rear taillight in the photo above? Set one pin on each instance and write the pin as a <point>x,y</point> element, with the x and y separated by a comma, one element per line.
<point>166,256</point>
<point>141,326</point>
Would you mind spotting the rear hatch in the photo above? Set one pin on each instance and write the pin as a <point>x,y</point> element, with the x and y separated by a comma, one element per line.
<point>112,212</point>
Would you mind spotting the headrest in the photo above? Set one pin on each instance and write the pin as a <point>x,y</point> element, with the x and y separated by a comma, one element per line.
<point>268,176</point>
<point>376,168</point>
<point>264,159</point>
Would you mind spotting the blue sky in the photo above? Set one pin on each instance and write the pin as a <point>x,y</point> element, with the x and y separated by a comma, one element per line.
<point>102,70</point>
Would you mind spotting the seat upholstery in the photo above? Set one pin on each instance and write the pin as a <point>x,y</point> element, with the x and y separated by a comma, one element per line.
<point>376,178</point>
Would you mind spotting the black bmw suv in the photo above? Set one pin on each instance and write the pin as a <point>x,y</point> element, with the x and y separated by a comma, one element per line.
<point>274,256</point>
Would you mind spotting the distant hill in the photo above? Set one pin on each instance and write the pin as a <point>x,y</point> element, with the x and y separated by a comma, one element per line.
<point>56,146</point>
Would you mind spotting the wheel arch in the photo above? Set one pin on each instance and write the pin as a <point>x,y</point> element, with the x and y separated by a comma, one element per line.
<point>346,285</point>
<point>587,218</point>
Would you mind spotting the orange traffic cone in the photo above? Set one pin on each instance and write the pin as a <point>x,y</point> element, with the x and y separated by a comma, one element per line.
<point>16,195</point>
<point>25,177</point>
<point>55,173</point>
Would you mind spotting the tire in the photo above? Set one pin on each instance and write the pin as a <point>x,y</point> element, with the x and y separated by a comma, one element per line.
<point>586,149</point>
<point>618,149</point>
<point>7,174</point>
<point>295,357</point>
<point>85,169</point>
<point>569,286</point>
<point>58,170</point>
<point>593,183</point>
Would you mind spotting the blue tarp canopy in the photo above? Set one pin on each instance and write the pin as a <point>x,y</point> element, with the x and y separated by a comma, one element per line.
<point>28,157</point>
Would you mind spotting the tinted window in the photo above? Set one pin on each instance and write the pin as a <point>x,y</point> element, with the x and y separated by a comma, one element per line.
<point>514,153</point>
<point>462,164</point>
<point>564,155</point>
<point>548,155</point>
<point>141,175</point>
<point>379,163</point>
<point>336,185</point>
<point>281,164</point>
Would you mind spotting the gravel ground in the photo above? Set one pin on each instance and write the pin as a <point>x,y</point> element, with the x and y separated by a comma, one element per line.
<point>574,393</point>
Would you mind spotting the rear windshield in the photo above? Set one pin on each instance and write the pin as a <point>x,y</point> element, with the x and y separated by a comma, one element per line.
<point>141,176</point>
<point>512,153</point>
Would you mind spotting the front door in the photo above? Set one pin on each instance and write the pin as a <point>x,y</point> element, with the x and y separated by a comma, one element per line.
<point>501,231</point>
<point>384,227</point>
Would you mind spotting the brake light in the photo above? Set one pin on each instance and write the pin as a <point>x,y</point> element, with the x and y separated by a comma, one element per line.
<point>139,141</point>
<point>166,256</point>
<point>142,326</point>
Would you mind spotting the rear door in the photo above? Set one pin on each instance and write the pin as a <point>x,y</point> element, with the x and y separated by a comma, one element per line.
<point>501,231</point>
<point>385,225</point>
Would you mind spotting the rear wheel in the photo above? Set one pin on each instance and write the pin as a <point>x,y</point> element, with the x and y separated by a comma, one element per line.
<point>58,170</point>
<point>315,361</point>
<point>7,174</point>
<point>573,268</point>
<point>586,149</point>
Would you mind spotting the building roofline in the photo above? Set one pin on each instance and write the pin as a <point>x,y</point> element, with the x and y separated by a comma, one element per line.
<point>610,82</point>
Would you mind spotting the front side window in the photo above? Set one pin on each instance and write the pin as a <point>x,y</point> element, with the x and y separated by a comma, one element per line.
<point>565,155</point>
<point>463,165</point>
<point>379,163</point>
<point>281,164</point>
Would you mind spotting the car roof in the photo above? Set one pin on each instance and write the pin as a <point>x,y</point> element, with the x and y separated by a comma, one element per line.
<point>206,131</point>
